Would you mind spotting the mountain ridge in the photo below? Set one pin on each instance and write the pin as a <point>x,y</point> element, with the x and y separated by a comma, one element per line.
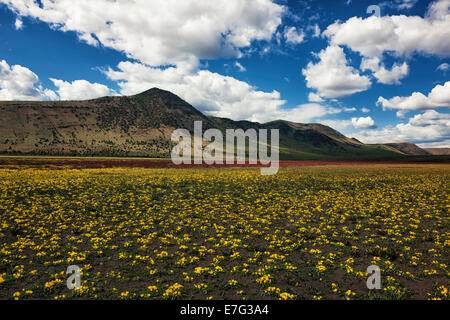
<point>408,148</point>
<point>141,125</point>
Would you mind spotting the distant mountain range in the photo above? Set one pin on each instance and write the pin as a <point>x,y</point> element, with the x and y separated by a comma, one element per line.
<point>141,125</point>
<point>438,151</point>
<point>408,148</point>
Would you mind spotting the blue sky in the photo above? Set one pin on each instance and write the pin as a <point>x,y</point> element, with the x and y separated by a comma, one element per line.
<point>377,78</point>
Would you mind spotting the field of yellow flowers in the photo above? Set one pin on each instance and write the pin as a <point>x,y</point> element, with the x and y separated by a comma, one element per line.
<point>225,233</point>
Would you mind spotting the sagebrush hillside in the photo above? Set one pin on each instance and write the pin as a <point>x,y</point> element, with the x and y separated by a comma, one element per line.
<point>141,125</point>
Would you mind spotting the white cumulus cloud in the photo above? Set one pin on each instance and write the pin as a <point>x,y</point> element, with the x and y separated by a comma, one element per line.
<point>383,75</point>
<point>363,123</point>
<point>20,83</point>
<point>161,32</point>
<point>439,97</point>
<point>429,127</point>
<point>332,77</point>
<point>398,34</point>
<point>80,90</point>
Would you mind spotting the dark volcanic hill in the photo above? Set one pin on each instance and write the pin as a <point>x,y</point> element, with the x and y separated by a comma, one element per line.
<point>141,125</point>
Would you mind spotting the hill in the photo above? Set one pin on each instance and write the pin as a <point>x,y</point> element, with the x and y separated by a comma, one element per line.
<point>141,125</point>
<point>408,148</point>
<point>438,151</point>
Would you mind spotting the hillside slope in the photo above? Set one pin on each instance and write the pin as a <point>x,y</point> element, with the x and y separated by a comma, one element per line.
<point>438,151</point>
<point>408,148</point>
<point>135,125</point>
<point>141,125</point>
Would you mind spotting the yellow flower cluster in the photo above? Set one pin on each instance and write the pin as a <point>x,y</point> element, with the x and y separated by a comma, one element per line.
<point>173,292</point>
